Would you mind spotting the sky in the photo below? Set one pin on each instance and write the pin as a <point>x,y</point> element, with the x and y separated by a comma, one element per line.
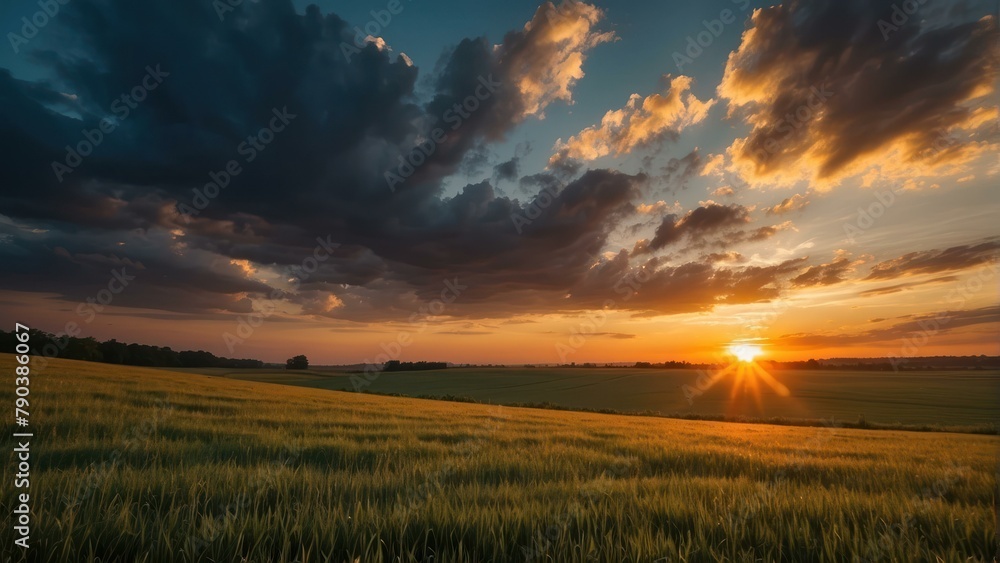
<point>503,182</point>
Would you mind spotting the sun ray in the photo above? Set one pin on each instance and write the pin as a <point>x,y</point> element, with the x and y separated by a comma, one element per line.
<point>740,375</point>
<point>748,375</point>
<point>776,385</point>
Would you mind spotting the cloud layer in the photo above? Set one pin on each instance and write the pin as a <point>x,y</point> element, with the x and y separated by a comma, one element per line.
<point>829,91</point>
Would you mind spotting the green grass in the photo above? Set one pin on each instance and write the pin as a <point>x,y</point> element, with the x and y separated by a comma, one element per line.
<point>135,464</point>
<point>957,400</point>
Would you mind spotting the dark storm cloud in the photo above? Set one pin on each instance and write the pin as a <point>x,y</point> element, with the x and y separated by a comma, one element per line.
<point>352,115</point>
<point>197,284</point>
<point>827,86</point>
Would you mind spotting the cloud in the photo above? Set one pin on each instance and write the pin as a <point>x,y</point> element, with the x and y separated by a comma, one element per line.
<point>830,273</point>
<point>709,224</point>
<point>827,95</point>
<point>615,335</point>
<point>755,235</point>
<point>658,287</point>
<point>320,181</point>
<point>695,224</point>
<point>657,208</point>
<point>528,71</point>
<point>797,202</point>
<point>731,256</point>
<point>640,123</point>
<point>933,261</point>
<point>943,323</point>
<point>678,171</point>
<point>899,287</point>
<point>713,165</point>
<point>507,171</point>
<point>545,59</point>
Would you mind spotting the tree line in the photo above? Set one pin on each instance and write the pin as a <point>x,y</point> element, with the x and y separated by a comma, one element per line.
<point>89,349</point>
<point>396,365</point>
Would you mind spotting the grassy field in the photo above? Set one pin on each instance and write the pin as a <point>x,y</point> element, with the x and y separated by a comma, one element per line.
<point>948,399</point>
<point>133,464</point>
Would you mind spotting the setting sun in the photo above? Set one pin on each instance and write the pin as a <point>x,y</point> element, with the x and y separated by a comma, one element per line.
<point>745,352</point>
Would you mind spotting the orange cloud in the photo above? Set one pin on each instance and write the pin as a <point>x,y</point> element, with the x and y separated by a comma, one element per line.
<point>549,61</point>
<point>797,202</point>
<point>640,122</point>
<point>825,107</point>
<point>830,273</point>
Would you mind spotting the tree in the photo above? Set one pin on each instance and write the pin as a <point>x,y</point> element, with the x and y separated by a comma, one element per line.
<point>298,362</point>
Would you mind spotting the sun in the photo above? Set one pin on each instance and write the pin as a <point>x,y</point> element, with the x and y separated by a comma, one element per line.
<point>745,352</point>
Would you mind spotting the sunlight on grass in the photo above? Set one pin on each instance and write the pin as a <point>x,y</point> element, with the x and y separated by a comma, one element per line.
<point>145,465</point>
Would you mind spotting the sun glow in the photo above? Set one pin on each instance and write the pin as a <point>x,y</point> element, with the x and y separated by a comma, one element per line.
<point>745,352</point>
<point>747,374</point>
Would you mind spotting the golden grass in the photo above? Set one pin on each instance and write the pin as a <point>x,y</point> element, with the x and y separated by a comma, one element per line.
<point>134,464</point>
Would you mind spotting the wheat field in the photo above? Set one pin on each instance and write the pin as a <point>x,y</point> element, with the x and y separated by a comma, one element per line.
<point>132,464</point>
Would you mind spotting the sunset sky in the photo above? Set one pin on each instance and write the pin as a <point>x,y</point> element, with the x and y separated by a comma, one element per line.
<point>637,180</point>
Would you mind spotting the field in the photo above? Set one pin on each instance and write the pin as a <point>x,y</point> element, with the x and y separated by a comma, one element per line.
<point>947,399</point>
<point>134,464</point>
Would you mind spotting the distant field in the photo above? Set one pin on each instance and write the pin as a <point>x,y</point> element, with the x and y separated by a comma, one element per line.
<point>133,464</point>
<point>959,398</point>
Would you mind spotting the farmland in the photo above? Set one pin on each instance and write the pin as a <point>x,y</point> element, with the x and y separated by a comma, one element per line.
<point>135,464</point>
<point>949,399</point>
